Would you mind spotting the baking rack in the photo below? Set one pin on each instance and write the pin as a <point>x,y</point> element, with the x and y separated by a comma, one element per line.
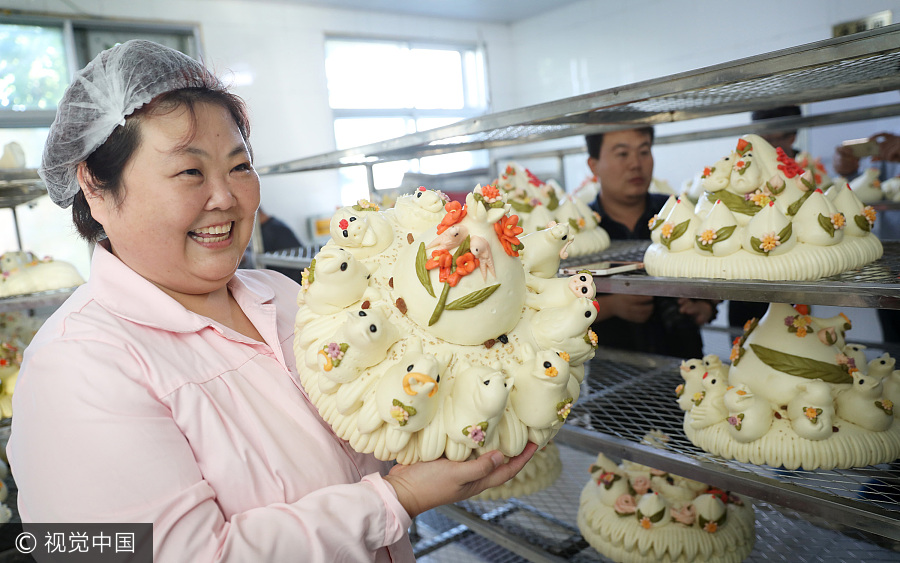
<point>542,528</point>
<point>874,285</point>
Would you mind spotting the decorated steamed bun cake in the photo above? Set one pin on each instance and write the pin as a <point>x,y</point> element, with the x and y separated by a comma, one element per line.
<point>796,394</point>
<point>762,217</point>
<point>431,329</point>
<point>22,273</point>
<point>541,471</point>
<point>540,204</point>
<point>635,514</point>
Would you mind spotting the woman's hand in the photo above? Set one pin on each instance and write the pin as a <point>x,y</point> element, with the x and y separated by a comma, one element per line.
<point>428,484</point>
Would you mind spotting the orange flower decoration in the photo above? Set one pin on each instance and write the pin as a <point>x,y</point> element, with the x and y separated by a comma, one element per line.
<point>646,523</point>
<point>507,230</point>
<point>465,265</point>
<point>490,192</point>
<point>440,259</point>
<point>455,213</point>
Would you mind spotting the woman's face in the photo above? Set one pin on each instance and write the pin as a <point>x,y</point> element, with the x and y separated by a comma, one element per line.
<point>187,209</point>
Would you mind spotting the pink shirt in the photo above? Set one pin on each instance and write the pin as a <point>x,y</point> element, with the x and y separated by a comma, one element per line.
<point>130,408</point>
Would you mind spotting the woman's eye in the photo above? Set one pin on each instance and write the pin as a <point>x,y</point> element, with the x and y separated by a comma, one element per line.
<point>243,167</point>
<point>191,172</point>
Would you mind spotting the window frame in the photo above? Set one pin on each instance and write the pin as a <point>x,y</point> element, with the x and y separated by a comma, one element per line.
<point>480,92</point>
<point>71,27</point>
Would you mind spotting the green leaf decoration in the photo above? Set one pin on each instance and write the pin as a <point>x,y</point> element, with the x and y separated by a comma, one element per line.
<point>312,267</point>
<point>439,308</point>
<point>806,368</point>
<point>462,249</point>
<point>862,222</point>
<point>677,232</point>
<point>734,202</point>
<point>774,190</point>
<point>657,222</point>
<point>722,234</point>
<point>810,184</point>
<point>741,352</point>
<point>795,207</point>
<point>471,300</point>
<point>745,168</point>
<point>754,322</point>
<point>888,407</point>
<point>521,206</point>
<point>825,223</point>
<point>740,418</point>
<point>786,233</point>
<point>422,271</point>
<point>658,516</point>
<point>554,201</point>
<point>574,224</point>
<point>755,245</point>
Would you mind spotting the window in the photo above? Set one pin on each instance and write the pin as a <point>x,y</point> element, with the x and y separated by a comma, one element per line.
<point>38,55</point>
<point>380,89</point>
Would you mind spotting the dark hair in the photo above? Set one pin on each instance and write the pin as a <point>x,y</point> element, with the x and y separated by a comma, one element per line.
<point>595,140</point>
<point>772,113</point>
<point>106,164</point>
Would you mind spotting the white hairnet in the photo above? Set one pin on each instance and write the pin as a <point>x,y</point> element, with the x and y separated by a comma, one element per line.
<point>113,85</point>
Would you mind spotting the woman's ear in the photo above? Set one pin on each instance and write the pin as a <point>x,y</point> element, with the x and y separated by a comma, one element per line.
<point>92,194</point>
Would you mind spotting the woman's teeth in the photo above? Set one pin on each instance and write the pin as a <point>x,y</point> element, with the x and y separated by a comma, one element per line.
<point>212,234</point>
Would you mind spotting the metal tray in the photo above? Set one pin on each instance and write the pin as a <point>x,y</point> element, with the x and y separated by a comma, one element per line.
<point>874,285</point>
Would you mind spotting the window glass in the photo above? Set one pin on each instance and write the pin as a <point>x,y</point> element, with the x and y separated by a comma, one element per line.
<point>366,75</point>
<point>383,89</point>
<point>439,79</point>
<point>33,74</point>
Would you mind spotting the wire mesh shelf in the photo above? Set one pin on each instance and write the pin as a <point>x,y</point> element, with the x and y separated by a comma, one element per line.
<point>297,258</point>
<point>542,528</point>
<point>625,396</point>
<point>874,285</point>
<point>859,64</point>
<point>51,298</point>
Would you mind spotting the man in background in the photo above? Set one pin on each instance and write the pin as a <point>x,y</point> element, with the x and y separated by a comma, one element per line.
<point>275,236</point>
<point>623,164</point>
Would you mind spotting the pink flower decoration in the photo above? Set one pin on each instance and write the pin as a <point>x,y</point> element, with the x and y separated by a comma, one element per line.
<point>625,504</point>
<point>641,484</point>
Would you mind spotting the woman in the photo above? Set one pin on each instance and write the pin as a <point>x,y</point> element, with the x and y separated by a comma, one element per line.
<point>165,390</point>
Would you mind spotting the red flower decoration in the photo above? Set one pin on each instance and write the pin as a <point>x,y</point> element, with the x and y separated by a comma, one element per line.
<point>788,165</point>
<point>718,493</point>
<point>532,179</point>
<point>440,259</point>
<point>465,265</point>
<point>455,213</point>
<point>507,230</point>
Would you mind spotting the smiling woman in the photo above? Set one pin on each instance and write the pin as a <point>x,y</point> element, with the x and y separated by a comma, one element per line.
<point>165,390</point>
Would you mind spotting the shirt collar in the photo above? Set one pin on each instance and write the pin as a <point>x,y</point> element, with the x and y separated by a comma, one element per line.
<point>127,294</point>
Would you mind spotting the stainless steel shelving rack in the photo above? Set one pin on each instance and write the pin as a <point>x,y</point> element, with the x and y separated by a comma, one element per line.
<point>19,187</point>
<point>627,397</point>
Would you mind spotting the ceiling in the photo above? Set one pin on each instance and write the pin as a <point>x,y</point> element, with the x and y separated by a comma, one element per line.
<point>489,11</point>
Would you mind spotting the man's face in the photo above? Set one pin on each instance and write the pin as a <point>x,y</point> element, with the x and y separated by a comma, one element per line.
<point>625,167</point>
<point>783,139</point>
